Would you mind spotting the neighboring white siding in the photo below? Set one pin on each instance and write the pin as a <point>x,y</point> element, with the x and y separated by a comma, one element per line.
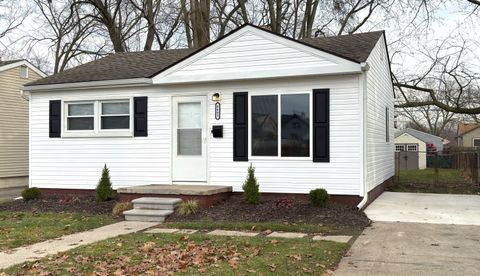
<point>380,154</point>
<point>77,162</point>
<point>13,123</point>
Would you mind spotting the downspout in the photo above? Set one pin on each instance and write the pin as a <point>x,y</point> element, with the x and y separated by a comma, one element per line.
<point>365,67</point>
<point>25,95</point>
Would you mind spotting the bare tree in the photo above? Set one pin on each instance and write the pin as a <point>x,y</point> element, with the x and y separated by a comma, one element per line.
<point>11,17</point>
<point>118,17</point>
<point>457,84</point>
<point>63,31</point>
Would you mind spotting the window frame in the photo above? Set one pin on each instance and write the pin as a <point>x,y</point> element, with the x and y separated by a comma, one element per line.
<point>24,67</point>
<point>387,124</point>
<point>97,130</point>
<point>101,115</point>
<point>473,142</point>
<point>279,156</point>
<point>397,146</point>
<point>412,145</point>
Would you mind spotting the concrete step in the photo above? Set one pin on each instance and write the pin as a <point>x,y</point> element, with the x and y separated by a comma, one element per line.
<point>146,215</point>
<point>156,203</point>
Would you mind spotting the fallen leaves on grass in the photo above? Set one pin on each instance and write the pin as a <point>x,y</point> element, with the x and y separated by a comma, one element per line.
<point>155,259</point>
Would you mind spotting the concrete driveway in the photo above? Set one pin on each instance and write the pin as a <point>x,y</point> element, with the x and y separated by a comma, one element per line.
<point>392,248</point>
<point>426,208</point>
<point>418,234</point>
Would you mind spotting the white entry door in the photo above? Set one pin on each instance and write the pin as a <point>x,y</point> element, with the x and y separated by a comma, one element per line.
<point>189,139</point>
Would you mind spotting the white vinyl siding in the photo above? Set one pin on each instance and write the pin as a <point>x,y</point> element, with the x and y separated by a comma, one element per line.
<point>380,150</point>
<point>251,54</point>
<point>77,162</point>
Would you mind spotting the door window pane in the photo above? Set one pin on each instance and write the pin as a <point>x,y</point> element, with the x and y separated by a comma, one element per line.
<point>295,125</point>
<point>116,122</point>
<point>189,115</point>
<point>115,108</point>
<point>80,123</point>
<point>189,141</point>
<point>80,109</point>
<point>189,129</point>
<point>265,125</point>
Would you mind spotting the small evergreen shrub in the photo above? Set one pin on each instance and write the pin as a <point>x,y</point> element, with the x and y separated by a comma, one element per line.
<point>188,207</point>
<point>319,197</point>
<point>104,190</point>
<point>121,207</point>
<point>251,188</point>
<point>31,193</point>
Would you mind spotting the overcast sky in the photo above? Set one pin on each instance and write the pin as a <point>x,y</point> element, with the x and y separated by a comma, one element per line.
<point>452,19</point>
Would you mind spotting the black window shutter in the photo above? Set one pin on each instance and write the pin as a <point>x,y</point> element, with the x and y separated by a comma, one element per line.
<point>321,125</point>
<point>55,119</point>
<point>140,117</point>
<point>240,126</point>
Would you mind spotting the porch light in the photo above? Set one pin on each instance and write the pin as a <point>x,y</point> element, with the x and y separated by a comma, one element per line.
<point>216,97</point>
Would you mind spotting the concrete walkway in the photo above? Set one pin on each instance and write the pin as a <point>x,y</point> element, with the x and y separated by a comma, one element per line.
<point>65,243</point>
<point>391,248</point>
<point>426,208</point>
<point>270,234</point>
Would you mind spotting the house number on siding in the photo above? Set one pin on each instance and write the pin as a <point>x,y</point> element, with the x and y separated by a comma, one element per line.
<point>217,111</point>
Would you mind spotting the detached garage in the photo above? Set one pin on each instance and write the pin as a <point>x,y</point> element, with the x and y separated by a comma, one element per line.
<point>412,151</point>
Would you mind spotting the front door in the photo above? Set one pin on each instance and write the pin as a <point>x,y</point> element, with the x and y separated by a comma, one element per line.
<point>189,139</point>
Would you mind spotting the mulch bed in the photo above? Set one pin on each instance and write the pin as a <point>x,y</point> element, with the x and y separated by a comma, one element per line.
<point>236,210</point>
<point>72,205</point>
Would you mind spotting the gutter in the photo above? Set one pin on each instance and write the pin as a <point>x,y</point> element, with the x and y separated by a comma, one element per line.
<point>365,67</point>
<point>89,84</point>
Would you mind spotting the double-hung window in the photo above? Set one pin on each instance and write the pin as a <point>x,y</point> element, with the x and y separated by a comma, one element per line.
<point>97,118</point>
<point>280,125</point>
<point>81,116</point>
<point>115,115</point>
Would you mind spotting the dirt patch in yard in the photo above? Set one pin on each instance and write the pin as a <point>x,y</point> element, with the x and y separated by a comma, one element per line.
<point>72,205</point>
<point>301,212</point>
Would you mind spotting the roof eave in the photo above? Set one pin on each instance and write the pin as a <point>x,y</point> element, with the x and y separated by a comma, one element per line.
<point>89,84</point>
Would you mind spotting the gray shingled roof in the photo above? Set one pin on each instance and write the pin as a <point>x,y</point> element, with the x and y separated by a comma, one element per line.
<point>356,47</point>
<point>7,62</point>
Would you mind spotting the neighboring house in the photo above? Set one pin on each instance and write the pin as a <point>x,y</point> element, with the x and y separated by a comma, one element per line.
<point>412,151</point>
<point>14,121</point>
<point>437,142</point>
<point>149,115</point>
<point>468,135</point>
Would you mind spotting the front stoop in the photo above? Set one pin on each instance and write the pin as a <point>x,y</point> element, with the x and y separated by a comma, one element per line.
<point>151,209</point>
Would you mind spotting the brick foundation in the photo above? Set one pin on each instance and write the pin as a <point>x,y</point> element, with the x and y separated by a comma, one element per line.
<point>377,191</point>
<point>210,200</point>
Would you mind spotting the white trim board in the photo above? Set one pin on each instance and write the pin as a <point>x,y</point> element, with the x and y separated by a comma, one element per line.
<point>25,63</point>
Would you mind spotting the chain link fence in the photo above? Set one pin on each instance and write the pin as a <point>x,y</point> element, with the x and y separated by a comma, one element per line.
<point>451,171</point>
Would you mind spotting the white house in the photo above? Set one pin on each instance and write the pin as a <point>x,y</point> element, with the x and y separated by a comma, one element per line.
<point>149,116</point>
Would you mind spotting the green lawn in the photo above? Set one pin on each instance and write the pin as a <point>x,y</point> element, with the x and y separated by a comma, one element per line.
<point>260,226</point>
<point>22,228</point>
<point>153,254</point>
<point>450,181</point>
